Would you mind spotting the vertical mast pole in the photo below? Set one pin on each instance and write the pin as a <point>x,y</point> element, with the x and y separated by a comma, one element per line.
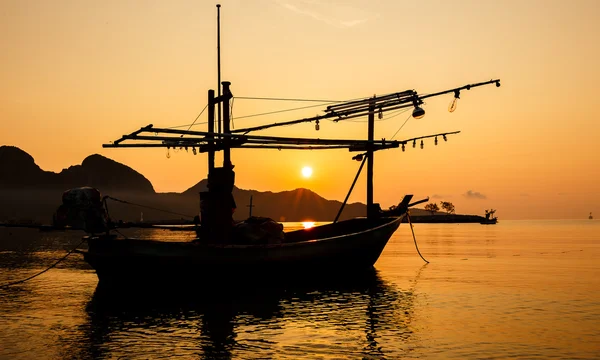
<point>211,130</point>
<point>219,64</point>
<point>371,134</point>
<point>226,148</point>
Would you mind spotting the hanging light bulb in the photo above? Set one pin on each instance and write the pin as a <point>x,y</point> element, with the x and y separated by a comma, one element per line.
<point>418,112</point>
<point>453,105</point>
<point>168,153</point>
<point>445,138</point>
<point>403,147</point>
<point>193,150</point>
<point>186,149</point>
<point>414,143</point>
<point>317,127</point>
<point>380,114</point>
<point>421,144</point>
<point>454,102</point>
<point>435,142</point>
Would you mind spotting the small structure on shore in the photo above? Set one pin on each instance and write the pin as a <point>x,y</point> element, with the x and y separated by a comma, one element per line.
<point>489,217</point>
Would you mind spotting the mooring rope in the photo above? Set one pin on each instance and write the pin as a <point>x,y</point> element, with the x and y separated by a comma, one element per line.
<point>43,271</point>
<point>414,237</point>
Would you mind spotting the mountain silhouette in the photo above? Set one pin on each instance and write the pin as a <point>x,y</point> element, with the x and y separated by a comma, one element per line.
<point>293,205</point>
<point>19,170</point>
<point>105,174</point>
<point>28,192</point>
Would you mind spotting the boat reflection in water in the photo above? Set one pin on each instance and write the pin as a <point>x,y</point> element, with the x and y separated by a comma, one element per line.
<point>339,317</point>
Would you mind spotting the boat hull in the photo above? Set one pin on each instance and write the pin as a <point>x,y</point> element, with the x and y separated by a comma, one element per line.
<point>489,222</point>
<point>353,245</point>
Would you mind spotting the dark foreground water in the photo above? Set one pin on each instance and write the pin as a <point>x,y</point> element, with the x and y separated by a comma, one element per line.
<point>518,289</point>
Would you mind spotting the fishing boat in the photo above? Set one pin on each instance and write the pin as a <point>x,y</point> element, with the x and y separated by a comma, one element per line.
<point>490,219</point>
<point>256,246</point>
<point>352,245</point>
<point>221,247</point>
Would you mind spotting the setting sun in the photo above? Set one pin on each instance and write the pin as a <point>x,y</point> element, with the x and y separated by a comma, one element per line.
<point>307,171</point>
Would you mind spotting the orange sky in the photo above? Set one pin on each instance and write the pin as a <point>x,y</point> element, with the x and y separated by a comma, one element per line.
<point>77,74</point>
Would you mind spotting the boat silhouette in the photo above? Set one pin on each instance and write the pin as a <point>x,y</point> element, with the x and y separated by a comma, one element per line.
<point>256,246</point>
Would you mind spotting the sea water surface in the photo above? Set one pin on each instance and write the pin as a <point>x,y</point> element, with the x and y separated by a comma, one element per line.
<point>518,289</point>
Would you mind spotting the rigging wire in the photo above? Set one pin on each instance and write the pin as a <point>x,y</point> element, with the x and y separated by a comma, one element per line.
<point>401,126</point>
<point>324,102</point>
<point>285,99</point>
<point>251,115</point>
<point>197,117</point>
<point>186,125</point>
<point>189,126</point>
<point>231,113</point>
<point>279,111</point>
<point>396,113</point>
<point>43,271</point>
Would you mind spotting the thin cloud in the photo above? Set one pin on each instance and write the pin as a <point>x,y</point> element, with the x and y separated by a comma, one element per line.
<point>474,195</point>
<point>352,23</point>
<point>335,15</point>
<point>438,196</point>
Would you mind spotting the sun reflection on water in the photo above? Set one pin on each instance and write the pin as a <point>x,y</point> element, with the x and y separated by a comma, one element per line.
<point>308,224</point>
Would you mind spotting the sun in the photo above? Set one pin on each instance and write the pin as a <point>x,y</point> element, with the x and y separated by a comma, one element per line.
<point>307,171</point>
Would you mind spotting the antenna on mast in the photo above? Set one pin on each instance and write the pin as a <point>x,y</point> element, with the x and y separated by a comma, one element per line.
<point>219,65</point>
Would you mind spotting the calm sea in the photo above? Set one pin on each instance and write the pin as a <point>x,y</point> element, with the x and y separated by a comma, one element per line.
<point>518,289</point>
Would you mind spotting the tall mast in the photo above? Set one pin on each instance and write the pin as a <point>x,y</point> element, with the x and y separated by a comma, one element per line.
<point>219,65</point>
<point>211,130</point>
<point>370,159</point>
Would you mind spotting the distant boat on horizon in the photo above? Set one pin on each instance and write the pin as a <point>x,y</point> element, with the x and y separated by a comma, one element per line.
<point>490,219</point>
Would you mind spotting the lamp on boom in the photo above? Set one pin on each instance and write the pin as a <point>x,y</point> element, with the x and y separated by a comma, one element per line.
<point>358,157</point>
<point>418,111</point>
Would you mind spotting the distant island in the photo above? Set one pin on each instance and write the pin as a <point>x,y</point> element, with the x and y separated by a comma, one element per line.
<point>28,193</point>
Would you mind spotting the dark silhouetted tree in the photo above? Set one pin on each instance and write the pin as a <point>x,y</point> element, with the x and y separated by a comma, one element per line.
<point>448,206</point>
<point>432,207</point>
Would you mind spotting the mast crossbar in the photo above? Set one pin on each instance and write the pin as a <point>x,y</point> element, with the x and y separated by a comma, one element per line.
<point>203,140</point>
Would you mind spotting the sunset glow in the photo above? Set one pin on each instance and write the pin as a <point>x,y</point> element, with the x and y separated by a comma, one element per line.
<point>308,224</point>
<point>98,72</point>
<point>307,171</point>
